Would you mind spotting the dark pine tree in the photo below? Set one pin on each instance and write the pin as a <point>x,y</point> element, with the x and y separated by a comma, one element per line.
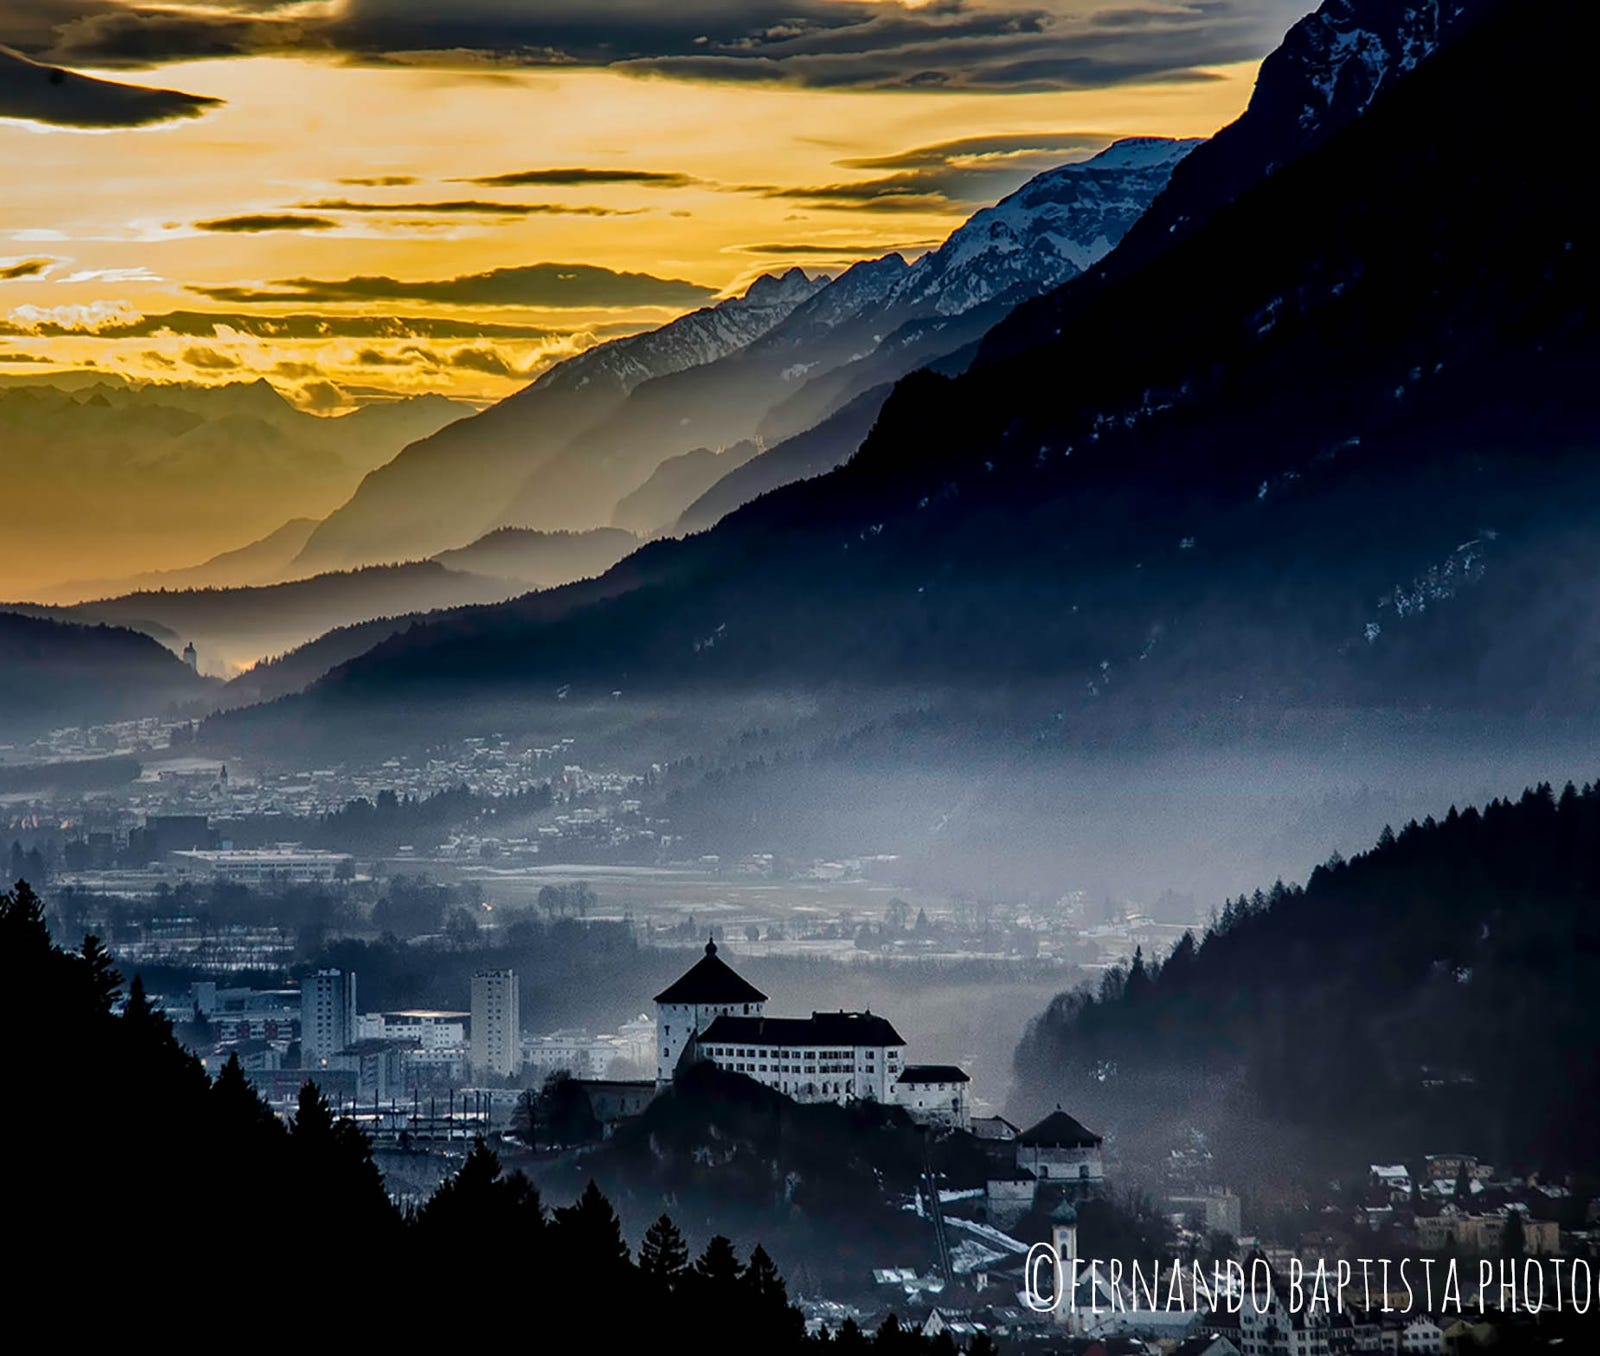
<point>663,1255</point>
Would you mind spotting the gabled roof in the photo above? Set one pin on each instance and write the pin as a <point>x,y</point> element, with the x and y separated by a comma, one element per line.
<point>821,1028</point>
<point>711,980</point>
<point>1059,1131</point>
<point>932,1073</point>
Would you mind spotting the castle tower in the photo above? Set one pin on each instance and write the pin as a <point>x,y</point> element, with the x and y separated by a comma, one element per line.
<point>709,989</point>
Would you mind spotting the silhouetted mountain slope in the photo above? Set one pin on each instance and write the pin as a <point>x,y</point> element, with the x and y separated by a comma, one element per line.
<point>448,490</point>
<point>235,627</point>
<point>289,673</point>
<point>1309,454</point>
<point>261,562</point>
<point>284,674</point>
<point>1437,989</point>
<point>541,559</point>
<point>677,483</point>
<point>1327,72</point>
<point>812,453</point>
<point>58,674</point>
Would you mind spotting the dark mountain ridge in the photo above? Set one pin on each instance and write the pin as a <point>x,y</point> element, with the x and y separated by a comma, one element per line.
<point>1238,460</point>
<point>59,674</point>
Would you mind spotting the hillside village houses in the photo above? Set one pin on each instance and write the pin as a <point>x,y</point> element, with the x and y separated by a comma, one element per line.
<point>711,1012</point>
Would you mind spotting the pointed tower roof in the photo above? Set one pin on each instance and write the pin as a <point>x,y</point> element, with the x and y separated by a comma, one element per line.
<point>711,980</point>
<point>1059,1131</point>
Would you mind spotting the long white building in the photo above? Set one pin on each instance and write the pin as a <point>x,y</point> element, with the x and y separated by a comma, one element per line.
<point>712,1013</point>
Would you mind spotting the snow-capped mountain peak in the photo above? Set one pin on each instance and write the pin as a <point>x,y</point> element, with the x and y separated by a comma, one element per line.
<point>700,337</point>
<point>1051,229</point>
<point>1335,61</point>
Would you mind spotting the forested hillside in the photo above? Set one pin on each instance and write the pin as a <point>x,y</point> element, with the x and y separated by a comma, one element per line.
<point>1436,991</point>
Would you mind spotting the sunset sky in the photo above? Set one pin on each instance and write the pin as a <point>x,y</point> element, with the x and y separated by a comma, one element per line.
<point>376,196</point>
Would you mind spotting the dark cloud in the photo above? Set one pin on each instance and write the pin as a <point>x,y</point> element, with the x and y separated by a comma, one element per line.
<point>978,45</point>
<point>533,285</point>
<point>322,395</point>
<point>24,268</point>
<point>486,360</point>
<point>465,207</point>
<point>22,358</point>
<point>1037,148</point>
<point>841,251</point>
<point>48,94</point>
<point>579,177</point>
<point>945,175</point>
<point>213,324</point>
<point>476,358</point>
<point>110,34</point>
<point>250,225</point>
<point>209,360</point>
<point>381,181</point>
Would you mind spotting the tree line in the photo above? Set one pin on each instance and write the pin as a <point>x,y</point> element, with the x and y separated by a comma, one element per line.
<point>131,1169</point>
<point>1436,989</point>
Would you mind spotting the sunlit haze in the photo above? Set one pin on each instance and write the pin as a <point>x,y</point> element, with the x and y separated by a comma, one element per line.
<point>318,171</point>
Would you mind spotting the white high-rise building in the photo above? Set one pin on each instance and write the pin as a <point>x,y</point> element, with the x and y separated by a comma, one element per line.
<point>327,1015</point>
<point>496,1023</point>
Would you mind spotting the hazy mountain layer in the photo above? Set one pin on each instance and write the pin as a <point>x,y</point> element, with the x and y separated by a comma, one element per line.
<point>261,562</point>
<point>233,628</point>
<point>1041,235</point>
<point>120,478</point>
<point>812,453</point>
<point>58,674</point>
<point>677,483</point>
<point>541,559</point>
<point>448,490</point>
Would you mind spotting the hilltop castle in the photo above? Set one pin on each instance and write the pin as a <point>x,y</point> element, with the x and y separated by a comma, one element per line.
<point>713,1013</point>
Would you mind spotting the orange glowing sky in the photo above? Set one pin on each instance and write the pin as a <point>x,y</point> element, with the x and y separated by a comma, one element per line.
<point>692,184</point>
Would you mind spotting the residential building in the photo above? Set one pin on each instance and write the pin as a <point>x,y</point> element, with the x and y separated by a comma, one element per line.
<point>1449,1167</point>
<point>1395,1178</point>
<point>1454,1229</point>
<point>1265,1326</point>
<point>611,1103</point>
<point>423,1027</point>
<point>1212,1212</point>
<point>1421,1336</point>
<point>327,1015</point>
<point>935,1094</point>
<point>496,1023</point>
